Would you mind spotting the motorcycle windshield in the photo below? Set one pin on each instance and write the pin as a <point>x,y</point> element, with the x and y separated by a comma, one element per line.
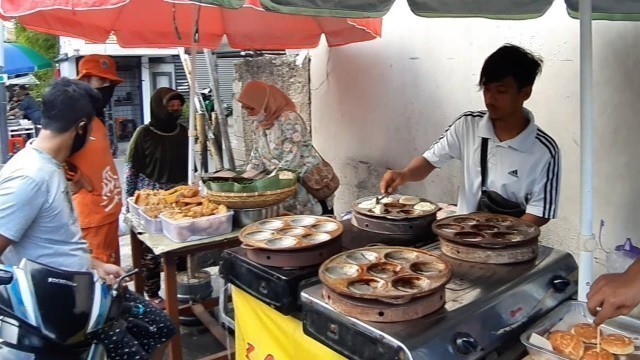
<point>63,301</point>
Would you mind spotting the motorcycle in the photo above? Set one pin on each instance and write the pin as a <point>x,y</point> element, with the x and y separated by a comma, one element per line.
<point>49,313</point>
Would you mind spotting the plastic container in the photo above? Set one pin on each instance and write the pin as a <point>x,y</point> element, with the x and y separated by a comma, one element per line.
<point>152,225</point>
<point>196,229</point>
<point>624,255</point>
<point>133,208</point>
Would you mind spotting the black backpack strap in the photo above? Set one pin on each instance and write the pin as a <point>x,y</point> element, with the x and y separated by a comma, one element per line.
<point>483,160</point>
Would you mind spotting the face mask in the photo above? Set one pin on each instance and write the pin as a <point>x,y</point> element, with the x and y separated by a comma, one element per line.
<point>258,118</point>
<point>79,141</point>
<point>175,115</point>
<point>107,93</point>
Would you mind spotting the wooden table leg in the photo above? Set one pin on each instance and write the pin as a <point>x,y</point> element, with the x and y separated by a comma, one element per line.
<point>136,259</point>
<point>171,301</point>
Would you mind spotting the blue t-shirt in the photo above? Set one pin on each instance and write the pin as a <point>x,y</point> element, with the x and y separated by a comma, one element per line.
<point>37,214</point>
<point>31,109</point>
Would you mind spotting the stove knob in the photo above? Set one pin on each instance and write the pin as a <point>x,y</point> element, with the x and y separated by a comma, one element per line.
<point>464,343</point>
<point>560,283</point>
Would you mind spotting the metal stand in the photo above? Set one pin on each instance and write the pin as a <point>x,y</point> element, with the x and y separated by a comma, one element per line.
<point>226,311</point>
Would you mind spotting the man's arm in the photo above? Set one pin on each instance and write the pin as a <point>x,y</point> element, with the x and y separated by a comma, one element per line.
<point>4,245</point>
<point>446,148</point>
<point>417,170</point>
<point>535,220</point>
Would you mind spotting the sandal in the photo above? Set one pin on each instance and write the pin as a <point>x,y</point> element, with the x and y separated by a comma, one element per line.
<point>158,302</point>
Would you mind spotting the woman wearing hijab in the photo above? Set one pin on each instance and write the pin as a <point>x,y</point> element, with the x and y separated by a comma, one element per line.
<point>157,159</point>
<point>282,140</point>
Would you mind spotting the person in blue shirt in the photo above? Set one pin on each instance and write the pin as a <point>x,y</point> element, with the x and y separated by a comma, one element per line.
<point>28,107</point>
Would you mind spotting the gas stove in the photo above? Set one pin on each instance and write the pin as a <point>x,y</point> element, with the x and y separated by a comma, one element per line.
<point>487,308</point>
<point>280,288</point>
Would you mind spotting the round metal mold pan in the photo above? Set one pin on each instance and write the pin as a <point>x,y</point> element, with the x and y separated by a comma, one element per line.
<point>385,273</point>
<point>485,230</point>
<point>288,233</point>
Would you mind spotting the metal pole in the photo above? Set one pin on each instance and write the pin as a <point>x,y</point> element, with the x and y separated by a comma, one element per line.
<point>192,99</point>
<point>192,114</point>
<point>212,61</point>
<point>587,240</point>
<point>4,131</point>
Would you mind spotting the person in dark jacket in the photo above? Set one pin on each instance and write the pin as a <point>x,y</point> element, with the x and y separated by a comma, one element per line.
<point>157,159</point>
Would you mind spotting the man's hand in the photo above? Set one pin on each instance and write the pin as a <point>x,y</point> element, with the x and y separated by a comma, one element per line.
<point>391,181</point>
<point>77,181</point>
<point>417,170</point>
<point>614,294</point>
<point>107,272</point>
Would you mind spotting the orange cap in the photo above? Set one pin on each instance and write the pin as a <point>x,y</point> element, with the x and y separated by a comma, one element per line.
<point>99,65</point>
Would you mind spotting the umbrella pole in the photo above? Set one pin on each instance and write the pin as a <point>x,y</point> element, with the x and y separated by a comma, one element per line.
<point>192,113</point>
<point>212,62</point>
<point>4,131</point>
<point>587,240</point>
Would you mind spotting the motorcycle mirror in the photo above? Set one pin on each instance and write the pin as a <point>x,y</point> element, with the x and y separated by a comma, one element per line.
<point>6,277</point>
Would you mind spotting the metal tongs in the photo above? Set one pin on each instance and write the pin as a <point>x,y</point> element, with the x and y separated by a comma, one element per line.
<point>379,198</point>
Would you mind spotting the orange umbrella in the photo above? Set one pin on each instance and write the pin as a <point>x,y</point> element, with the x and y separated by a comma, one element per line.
<point>159,23</point>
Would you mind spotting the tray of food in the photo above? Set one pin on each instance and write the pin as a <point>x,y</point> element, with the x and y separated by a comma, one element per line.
<point>395,207</point>
<point>185,226</point>
<point>568,333</point>
<point>238,182</point>
<point>182,214</point>
<point>291,232</point>
<point>387,273</point>
<point>152,224</point>
<point>484,229</point>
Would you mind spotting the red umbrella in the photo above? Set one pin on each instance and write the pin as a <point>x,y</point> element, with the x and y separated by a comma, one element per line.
<point>158,23</point>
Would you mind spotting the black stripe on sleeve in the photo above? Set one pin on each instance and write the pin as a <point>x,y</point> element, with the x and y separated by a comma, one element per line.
<point>551,185</point>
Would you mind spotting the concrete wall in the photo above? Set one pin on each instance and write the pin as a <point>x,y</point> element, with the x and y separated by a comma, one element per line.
<point>380,103</point>
<point>283,71</point>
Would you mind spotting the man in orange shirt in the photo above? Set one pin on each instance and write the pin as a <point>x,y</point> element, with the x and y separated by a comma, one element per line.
<point>97,194</point>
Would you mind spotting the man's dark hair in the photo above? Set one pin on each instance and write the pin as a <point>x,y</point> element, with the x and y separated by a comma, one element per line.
<point>511,60</point>
<point>66,103</point>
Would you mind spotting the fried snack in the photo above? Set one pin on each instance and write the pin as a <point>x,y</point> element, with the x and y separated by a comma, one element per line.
<point>191,192</point>
<point>143,197</point>
<point>587,332</point>
<point>617,344</point>
<point>567,344</point>
<point>192,200</point>
<point>595,354</point>
<point>409,200</point>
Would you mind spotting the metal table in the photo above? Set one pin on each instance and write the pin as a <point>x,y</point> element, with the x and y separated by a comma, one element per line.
<point>169,251</point>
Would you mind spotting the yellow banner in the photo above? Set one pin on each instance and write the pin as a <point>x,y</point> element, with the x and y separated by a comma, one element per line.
<point>262,333</point>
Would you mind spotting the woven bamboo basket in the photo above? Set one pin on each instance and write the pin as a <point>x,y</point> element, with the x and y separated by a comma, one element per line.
<point>253,200</point>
